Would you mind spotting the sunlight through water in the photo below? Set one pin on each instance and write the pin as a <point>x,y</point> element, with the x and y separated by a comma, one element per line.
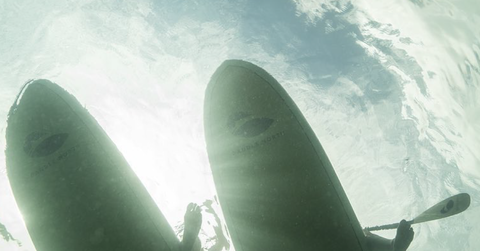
<point>389,87</point>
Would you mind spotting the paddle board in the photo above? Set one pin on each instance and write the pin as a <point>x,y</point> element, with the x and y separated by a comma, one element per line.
<point>72,185</point>
<point>276,186</point>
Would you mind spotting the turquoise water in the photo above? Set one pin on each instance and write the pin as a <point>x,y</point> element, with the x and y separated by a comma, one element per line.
<point>391,90</point>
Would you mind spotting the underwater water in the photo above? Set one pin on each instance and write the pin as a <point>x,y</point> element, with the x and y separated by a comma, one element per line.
<point>390,88</point>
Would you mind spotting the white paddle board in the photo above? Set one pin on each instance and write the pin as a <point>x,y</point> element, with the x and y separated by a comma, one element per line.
<point>276,186</point>
<point>75,190</point>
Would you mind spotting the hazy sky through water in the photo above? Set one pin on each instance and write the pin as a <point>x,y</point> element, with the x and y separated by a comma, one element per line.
<point>391,89</point>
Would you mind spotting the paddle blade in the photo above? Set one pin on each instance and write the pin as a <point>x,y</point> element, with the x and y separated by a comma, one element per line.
<point>448,207</point>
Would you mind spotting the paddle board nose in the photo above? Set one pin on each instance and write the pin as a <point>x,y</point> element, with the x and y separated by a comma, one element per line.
<point>31,87</point>
<point>38,95</point>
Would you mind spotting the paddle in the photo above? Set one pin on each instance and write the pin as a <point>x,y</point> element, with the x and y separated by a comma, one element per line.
<point>448,207</point>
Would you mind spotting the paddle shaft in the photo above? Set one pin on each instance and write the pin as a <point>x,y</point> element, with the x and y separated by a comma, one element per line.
<point>386,227</point>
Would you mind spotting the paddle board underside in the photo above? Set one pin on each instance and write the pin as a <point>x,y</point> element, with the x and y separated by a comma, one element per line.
<point>74,188</point>
<point>276,186</point>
